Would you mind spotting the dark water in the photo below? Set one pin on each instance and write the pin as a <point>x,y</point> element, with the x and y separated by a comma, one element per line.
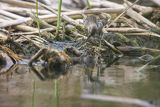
<point>21,87</point>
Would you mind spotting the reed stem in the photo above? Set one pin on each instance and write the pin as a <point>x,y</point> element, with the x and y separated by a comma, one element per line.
<point>59,17</point>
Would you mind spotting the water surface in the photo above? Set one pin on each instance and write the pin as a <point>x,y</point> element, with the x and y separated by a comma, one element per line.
<point>21,87</point>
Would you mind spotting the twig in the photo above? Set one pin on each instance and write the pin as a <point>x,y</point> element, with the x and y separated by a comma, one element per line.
<point>42,23</point>
<point>125,30</point>
<point>25,11</point>
<point>139,18</point>
<point>65,17</point>
<point>25,4</point>
<point>14,16</point>
<point>107,4</point>
<point>36,44</point>
<point>20,3</point>
<point>139,50</point>
<point>11,15</point>
<point>37,55</point>
<point>34,32</point>
<point>143,34</point>
<point>14,22</point>
<point>25,28</point>
<point>14,57</point>
<point>107,43</point>
<point>141,9</point>
<point>112,47</point>
<point>122,13</point>
<point>53,17</point>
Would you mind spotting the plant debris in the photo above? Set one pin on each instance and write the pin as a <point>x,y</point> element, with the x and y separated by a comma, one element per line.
<point>96,36</point>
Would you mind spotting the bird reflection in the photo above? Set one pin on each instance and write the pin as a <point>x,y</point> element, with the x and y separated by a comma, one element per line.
<point>92,64</point>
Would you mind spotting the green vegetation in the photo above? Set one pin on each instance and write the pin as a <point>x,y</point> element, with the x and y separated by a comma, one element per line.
<point>38,23</point>
<point>59,16</point>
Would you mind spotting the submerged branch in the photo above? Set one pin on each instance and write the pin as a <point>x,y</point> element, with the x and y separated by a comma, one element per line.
<point>116,99</point>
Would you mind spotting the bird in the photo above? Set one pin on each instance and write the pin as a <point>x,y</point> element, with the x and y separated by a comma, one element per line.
<point>93,26</point>
<point>88,59</point>
<point>90,23</point>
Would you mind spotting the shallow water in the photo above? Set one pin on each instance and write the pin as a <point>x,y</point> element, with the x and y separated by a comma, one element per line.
<point>21,87</point>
